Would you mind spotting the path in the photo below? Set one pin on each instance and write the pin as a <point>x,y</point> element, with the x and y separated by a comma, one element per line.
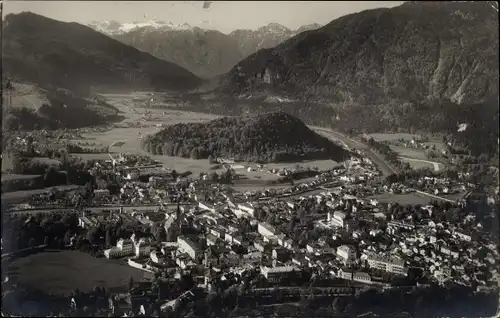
<point>433,163</point>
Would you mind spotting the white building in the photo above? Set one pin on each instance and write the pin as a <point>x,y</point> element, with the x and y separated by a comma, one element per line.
<point>101,193</point>
<point>266,230</point>
<point>124,247</point>
<point>188,246</point>
<point>338,218</point>
<point>463,236</point>
<point>206,206</point>
<point>246,208</point>
<point>85,222</point>
<point>157,257</point>
<point>277,273</point>
<point>142,248</point>
<point>346,253</point>
<point>388,264</point>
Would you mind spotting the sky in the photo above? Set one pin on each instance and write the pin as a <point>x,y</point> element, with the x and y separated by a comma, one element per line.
<point>224,16</point>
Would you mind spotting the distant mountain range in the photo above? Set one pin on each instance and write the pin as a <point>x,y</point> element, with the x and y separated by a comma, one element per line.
<point>206,53</point>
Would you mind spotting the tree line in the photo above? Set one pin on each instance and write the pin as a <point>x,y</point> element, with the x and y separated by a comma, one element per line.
<point>266,138</point>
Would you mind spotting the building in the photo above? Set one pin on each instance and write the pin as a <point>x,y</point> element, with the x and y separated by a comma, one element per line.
<point>169,222</point>
<point>356,276</point>
<point>281,254</point>
<point>338,218</point>
<point>189,247</point>
<point>101,193</point>
<point>142,248</point>
<point>246,208</point>
<point>463,236</point>
<point>347,254</point>
<point>157,258</point>
<point>276,274</point>
<point>124,247</point>
<point>401,225</point>
<point>266,230</point>
<point>85,222</point>
<point>388,264</point>
<point>205,206</point>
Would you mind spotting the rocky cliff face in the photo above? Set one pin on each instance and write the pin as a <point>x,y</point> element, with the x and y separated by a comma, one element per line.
<point>416,52</point>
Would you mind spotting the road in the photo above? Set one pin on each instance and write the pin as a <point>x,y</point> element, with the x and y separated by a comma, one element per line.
<point>350,143</point>
<point>433,163</point>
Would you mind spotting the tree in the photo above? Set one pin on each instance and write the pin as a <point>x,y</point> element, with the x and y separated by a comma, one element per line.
<point>214,176</point>
<point>130,283</point>
<point>108,238</point>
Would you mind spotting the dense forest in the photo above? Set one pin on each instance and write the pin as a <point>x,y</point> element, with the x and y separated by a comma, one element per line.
<point>268,137</point>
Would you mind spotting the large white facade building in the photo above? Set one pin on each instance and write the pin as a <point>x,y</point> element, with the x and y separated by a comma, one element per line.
<point>388,264</point>
<point>337,218</point>
<point>277,273</point>
<point>187,246</point>
<point>124,247</point>
<point>266,230</point>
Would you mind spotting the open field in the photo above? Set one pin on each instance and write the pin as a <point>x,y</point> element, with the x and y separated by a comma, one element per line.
<point>393,137</point>
<point>410,152</point>
<point>47,161</point>
<point>93,156</point>
<point>418,164</point>
<point>12,176</point>
<point>322,165</point>
<point>61,272</point>
<point>7,163</point>
<point>17,197</point>
<point>409,198</point>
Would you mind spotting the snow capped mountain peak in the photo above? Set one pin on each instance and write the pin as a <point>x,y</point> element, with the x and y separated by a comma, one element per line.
<point>114,27</point>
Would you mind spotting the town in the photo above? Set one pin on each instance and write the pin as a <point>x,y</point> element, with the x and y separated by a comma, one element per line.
<point>326,235</point>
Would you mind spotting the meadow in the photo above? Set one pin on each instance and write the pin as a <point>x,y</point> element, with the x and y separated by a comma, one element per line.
<point>61,272</point>
<point>408,198</point>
